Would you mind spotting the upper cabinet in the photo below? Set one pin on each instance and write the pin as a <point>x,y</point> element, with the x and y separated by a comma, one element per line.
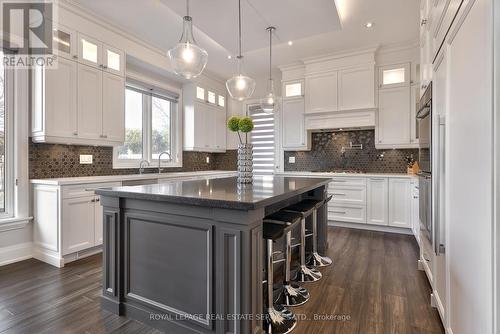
<point>356,88</point>
<point>321,92</point>
<point>64,42</point>
<point>294,134</point>
<point>204,118</point>
<point>396,120</point>
<point>82,100</point>
<point>340,83</point>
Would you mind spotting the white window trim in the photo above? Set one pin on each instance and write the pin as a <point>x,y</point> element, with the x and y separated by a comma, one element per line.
<point>176,141</point>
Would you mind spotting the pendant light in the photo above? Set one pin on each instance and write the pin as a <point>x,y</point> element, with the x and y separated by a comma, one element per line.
<point>268,103</point>
<point>187,58</point>
<point>240,86</point>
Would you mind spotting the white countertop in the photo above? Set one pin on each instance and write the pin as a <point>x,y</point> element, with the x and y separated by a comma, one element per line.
<point>326,174</point>
<point>129,177</point>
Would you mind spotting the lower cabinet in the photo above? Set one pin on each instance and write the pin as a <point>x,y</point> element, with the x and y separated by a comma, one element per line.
<point>383,201</point>
<point>82,228</point>
<point>400,202</point>
<point>377,200</point>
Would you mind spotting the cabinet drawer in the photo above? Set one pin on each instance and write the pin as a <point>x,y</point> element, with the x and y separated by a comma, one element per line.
<point>348,195</point>
<point>346,181</point>
<point>88,189</point>
<point>347,213</point>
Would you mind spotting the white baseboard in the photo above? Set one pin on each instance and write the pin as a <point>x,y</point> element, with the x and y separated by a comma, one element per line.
<point>15,253</point>
<point>49,258</point>
<point>370,227</point>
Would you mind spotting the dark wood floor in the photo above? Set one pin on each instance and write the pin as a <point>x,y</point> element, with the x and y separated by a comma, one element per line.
<point>374,285</point>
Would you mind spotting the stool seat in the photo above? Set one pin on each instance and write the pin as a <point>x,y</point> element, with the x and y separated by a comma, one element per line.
<point>305,206</point>
<point>272,231</point>
<point>288,218</point>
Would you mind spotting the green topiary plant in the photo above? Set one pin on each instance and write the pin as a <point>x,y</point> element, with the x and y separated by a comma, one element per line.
<point>237,124</point>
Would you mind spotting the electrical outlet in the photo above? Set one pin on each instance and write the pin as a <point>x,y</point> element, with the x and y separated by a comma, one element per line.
<point>291,160</point>
<point>85,159</point>
<point>208,159</point>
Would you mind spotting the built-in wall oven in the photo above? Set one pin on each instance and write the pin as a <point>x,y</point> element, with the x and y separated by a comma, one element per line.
<point>424,118</point>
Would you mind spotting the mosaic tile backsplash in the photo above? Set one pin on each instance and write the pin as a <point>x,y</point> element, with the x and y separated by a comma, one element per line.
<point>326,154</point>
<point>54,161</point>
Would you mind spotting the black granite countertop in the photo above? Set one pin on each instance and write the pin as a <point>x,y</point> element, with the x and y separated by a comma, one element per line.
<point>221,192</point>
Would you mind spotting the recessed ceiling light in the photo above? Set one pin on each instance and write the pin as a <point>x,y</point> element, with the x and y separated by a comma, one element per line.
<point>229,57</point>
<point>369,24</point>
<point>290,43</point>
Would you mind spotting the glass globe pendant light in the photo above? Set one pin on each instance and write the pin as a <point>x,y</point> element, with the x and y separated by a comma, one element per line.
<point>268,103</point>
<point>187,58</point>
<point>240,86</point>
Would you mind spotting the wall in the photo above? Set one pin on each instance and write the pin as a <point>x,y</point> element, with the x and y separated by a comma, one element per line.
<point>326,154</point>
<point>52,161</point>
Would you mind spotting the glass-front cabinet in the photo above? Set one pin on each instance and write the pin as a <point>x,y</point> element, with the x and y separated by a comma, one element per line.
<point>113,60</point>
<point>394,75</point>
<point>89,51</point>
<point>64,42</point>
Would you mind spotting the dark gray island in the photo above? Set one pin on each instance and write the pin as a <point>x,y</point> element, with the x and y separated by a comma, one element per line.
<point>187,256</point>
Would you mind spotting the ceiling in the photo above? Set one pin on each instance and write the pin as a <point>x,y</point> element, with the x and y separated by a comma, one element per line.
<point>316,27</point>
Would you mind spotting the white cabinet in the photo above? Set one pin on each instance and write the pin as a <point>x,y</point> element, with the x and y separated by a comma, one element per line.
<point>204,123</point>
<point>443,13</point>
<point>89,51</point>
<point>392,76</point>
<point>400,195</point>
<point>393,121</point>
<point>78,229</point>
<point>67,221</point>
<point>64,42</point>
<point>294,134</point>
<point>89,102</point>
<point>414,100</point>
<point>415,204</point>
<point>82,100</point>
<point>356,88</point>
<point>321,93</point>
<point>113,106</point>
<point>349,200</point>
<point>54,111</point>
<point>377,200</point>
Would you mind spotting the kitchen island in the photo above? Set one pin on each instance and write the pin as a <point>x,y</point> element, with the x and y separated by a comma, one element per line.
<point>187,256</point>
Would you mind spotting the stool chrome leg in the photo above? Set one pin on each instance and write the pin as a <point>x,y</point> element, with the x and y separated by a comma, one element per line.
<point>291,294</point>
<point>305,274</point>
<point>317,260</point>
<point>279,320</point>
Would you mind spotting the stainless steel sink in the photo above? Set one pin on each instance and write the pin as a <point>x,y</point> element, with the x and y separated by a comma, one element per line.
<point>139,182</point>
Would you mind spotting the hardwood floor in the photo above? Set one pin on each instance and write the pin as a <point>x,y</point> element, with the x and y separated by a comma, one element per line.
<point>374,284</point>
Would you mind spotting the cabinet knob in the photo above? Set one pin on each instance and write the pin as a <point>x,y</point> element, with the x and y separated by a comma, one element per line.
<point>423,22</point>
<point>104,66</point>
<point>75,133</point>
<point>75,57</point>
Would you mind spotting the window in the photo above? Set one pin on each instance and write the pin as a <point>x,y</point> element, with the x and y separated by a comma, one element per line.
<point>293,89</point>
<point>211,97</point>
<point>222,101</point>
<point>200,93</point>
<point>150,128</point>
<point>6,135</point>
<point>262,139</point>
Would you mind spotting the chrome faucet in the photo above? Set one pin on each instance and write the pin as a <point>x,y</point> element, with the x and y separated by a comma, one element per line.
<point>141,165</point>
<point>159,160</point>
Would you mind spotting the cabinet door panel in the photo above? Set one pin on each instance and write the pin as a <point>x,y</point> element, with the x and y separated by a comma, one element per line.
<point>113,107</point>
<point>64,42</point>
<point>393,125</point>
<point>60,99</point>
<point>294,133</point>
<point>220,140</point>
<point>377,199</point>
<point>357,88</point>
<point>77,224</point>
<point>89,51</point>
<point>98,232</point>
<point>321,93</point>
<point>89,102</point>
<point>400,202</point>
<point>113,60</point>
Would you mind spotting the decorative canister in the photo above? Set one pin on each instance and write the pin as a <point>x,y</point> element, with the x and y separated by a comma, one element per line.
<point>245,163</point>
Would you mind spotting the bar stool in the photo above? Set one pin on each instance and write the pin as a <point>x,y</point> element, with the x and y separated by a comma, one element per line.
<point>306,208</point>
<point>279,320</point>
<point>317,260</point>
<point>290,294</point>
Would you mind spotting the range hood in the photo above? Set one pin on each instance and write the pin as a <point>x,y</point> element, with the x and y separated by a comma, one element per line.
<point>346,120</point>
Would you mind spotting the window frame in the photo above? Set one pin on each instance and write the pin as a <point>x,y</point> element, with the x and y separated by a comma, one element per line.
<point>147,130</point>
<point>10,156</point>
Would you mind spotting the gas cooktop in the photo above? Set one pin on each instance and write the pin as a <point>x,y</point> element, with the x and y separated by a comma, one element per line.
<point>340,171</point>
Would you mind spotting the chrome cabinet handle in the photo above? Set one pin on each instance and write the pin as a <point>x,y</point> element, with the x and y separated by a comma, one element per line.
<point>340,212</point>
<point>423,22</point>
<point>339,194</point>
<point>75,133</point>
<point>75,57</point>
